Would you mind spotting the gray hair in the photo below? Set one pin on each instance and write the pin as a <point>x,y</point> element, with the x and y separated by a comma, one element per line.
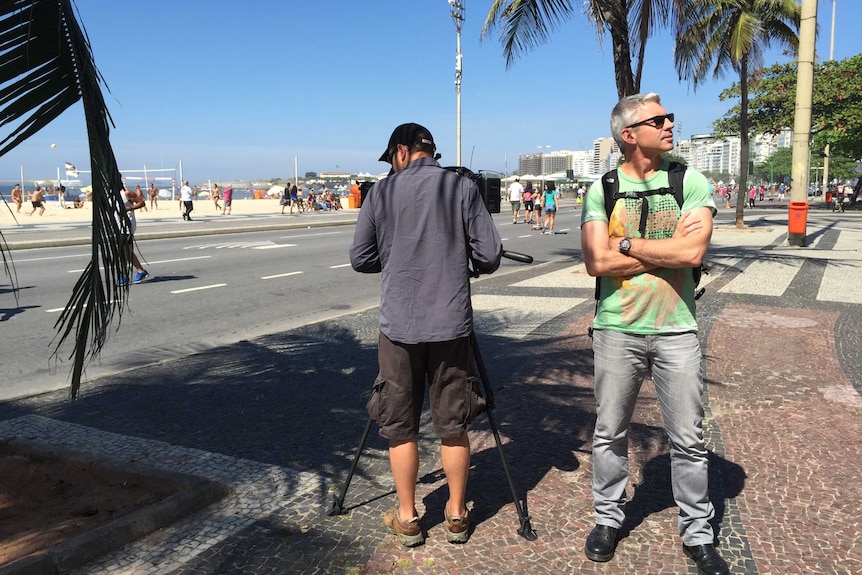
<point>625,113</point>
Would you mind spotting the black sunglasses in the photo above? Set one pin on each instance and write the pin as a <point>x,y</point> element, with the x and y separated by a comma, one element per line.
<point>656,121</point>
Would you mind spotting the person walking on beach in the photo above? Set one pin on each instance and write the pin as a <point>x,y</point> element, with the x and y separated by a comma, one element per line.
<point>421,227</point>
<point>227,200</point>
<point>37,200</point>
<point>140,193</point>
<point>17,197</point>
<point>216,197</point>
<point>645,324</point>
<point>516,191</point>
<point>154,197</point>
<point>187,199</point>
<point>294,194</point>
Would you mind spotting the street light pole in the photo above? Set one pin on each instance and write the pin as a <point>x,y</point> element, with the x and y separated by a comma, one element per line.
<point>542,165</point>
<point>458,17</point>
<point>799,176</point>
<point>826,149</point>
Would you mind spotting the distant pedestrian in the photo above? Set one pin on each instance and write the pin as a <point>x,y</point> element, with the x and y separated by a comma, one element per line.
<point>781,189</point>
<point>538,207</point>
<point>154,197</point>
<point>549,201</point>
<point>187,199</point>
<point>300,202</point>
<point>37,200</point>
<point>752,195</point>
<point>294,194</point>
<point>840,192</point>
<point>132,201</point>
<point>227,200</point>
<point>17,197</point>
<point>140,193</point>
<point>216,196</point>
<point>528,205</point>
<point>516,190</point>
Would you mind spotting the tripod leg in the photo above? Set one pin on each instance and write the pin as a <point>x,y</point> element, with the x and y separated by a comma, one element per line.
<point>526,531</point>
<point>338,500</point>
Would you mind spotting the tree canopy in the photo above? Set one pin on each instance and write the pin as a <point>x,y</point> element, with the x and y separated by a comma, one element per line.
<point>836,113</point>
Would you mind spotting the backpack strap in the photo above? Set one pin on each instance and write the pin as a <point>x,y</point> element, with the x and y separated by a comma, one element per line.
<point>611,187</point>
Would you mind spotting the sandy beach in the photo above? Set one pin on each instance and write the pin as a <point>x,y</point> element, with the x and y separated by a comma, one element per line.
<point>54,214</point>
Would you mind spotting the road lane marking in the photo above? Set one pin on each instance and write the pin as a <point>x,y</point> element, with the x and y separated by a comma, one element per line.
<point>339,266</point>
<point>312,235</point>
<point>274,246</point>
<point>17,261</point>
<point>57,309</point>
<point>198,288</point>
<point>279,275</point>
<point>155,262</point>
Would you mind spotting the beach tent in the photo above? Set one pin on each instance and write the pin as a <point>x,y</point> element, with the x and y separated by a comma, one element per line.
<point>275,192</point>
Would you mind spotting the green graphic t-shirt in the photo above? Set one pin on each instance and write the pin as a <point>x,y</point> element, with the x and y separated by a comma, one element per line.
<point>660,300</point>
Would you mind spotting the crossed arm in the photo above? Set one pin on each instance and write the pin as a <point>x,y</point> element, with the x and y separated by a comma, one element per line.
<point>686,248</point>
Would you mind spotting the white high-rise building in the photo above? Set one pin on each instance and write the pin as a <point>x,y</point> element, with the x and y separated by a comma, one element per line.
<point>602,149</point>
<point>707,153</point>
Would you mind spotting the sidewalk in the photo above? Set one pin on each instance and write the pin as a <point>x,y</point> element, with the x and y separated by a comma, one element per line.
<point>277,420</point>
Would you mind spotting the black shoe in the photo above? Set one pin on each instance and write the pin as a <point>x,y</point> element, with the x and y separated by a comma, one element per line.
<point>709,562</point>
<point>601,543</point>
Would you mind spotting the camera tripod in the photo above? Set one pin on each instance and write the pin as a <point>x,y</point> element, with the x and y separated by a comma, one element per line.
<point>525,530</point>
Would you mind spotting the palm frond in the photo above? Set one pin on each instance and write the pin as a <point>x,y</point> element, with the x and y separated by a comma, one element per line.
<point>524,24</point>
<point>47,67</point>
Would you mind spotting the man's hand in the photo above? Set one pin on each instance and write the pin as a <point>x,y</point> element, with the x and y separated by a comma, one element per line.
<point>688,224</point>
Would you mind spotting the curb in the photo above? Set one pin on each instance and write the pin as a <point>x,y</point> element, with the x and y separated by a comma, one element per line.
<point>195,494</point>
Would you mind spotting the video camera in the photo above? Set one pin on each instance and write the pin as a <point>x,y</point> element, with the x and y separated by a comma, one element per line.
<point>489,187</point>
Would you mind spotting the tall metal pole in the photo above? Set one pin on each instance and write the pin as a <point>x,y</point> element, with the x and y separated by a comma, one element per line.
<point>802,125</point>
<point>826,149</point>
<point>458,17</point>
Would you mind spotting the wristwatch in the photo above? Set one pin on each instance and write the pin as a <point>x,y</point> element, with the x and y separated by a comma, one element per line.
<point>625,246</point>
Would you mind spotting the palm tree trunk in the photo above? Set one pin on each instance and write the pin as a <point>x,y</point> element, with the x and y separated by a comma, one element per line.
<point>741,195</point>
<point>618,26</point>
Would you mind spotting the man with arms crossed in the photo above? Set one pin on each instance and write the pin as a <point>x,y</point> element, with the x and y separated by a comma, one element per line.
<point>645,325</point>
<point>423,227</point>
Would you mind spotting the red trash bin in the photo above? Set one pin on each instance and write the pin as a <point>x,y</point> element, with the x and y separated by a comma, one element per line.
<point>798,217</point>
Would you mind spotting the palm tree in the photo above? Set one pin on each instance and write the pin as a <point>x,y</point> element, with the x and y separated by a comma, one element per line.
<point>47,67</point>
<point>527,23</point>
<point>713,35</point>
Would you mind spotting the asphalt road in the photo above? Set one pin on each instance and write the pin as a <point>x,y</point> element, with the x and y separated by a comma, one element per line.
<point>207,291</point>
<point>212,290</point>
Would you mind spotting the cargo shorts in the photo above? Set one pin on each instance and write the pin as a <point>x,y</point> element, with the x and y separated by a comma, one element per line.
<point>399,390</point>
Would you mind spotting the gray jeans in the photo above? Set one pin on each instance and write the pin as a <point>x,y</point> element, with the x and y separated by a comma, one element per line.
<point>622,361</point>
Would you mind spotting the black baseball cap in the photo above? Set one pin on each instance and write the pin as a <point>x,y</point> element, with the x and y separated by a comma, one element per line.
<point>407,135</point>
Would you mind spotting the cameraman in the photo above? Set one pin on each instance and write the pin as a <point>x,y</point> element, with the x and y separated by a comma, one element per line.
<point>422,227</point>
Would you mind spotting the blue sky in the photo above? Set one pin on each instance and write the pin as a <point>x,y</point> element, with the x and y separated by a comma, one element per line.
<point>239,90</point>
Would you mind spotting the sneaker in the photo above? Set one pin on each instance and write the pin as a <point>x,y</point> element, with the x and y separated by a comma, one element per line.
<point>140,276</point>
<point>409,533</point>
<point>457,528</point>
<point>121,281</point>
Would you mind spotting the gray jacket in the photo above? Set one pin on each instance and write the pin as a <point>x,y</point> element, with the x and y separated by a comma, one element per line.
<point>422,227</point>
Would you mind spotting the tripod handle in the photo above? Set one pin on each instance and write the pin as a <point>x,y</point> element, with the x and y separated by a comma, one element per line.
<point>523,258</point>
